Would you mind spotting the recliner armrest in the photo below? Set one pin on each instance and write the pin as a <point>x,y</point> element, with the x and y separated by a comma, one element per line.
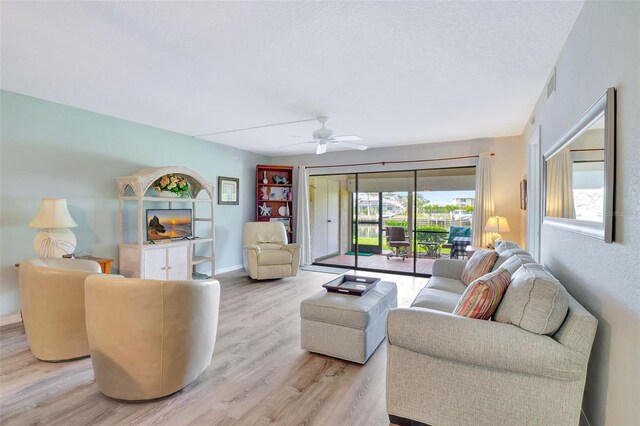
<point>448,268</point>
<point>291,246</point>
<point>252,247</point>
<point>483,343</point>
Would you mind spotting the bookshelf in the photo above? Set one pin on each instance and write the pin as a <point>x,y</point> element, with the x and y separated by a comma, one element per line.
<point>274,199</point>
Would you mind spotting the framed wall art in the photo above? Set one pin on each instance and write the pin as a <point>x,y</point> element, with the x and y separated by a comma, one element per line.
<point>228,190</point>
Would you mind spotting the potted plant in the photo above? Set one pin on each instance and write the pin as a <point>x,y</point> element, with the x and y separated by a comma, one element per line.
<point>172,186</point>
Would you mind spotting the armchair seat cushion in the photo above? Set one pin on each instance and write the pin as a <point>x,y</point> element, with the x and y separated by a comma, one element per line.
<point>274,257</point>
<point>269,246</point>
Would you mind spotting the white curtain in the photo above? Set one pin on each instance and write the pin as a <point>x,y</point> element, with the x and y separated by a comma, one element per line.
<point>484,208</point>
<point>559,202</point>
<point>304,228</point>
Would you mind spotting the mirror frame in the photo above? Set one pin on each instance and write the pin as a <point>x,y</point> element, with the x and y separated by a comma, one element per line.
<point>603,231</point>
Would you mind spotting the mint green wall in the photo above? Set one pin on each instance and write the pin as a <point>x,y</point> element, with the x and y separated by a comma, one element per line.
<point>52,150</point>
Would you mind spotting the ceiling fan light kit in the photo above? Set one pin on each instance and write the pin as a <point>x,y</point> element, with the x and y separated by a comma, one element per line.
<point>323,137</point>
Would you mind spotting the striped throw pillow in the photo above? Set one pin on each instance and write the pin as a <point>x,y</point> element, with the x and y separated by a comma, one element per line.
<point>481,298</point>
<point>480,263</point>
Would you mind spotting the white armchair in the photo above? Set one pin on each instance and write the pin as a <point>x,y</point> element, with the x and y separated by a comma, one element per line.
<point>267,253</point>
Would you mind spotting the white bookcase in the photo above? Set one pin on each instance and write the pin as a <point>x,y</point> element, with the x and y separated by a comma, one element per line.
<point>170,259</point>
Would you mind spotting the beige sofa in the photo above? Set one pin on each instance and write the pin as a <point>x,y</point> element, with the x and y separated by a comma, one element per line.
<point>149,338</point>
<point>444,369</point>
<point>267,254</point>
<point>52,304</point>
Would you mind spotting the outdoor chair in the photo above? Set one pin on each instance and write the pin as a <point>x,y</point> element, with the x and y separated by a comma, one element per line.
<point>397,242</point>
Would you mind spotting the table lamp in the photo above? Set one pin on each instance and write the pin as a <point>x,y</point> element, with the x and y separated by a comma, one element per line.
<point>497,224</point>
<point>55,239</point>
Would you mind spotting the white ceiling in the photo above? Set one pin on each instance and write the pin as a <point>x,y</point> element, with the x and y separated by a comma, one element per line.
<point>394,73</point>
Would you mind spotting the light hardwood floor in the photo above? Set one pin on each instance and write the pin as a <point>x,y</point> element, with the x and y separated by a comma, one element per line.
<point>258,375</point>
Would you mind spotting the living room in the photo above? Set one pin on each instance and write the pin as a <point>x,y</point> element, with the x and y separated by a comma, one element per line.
<point>441,120</point>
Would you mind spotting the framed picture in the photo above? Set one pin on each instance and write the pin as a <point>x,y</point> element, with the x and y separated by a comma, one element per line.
<point>228,190</point>
<point>523,194</point>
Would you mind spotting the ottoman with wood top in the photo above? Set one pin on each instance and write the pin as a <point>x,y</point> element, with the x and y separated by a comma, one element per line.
<point>345,326</point>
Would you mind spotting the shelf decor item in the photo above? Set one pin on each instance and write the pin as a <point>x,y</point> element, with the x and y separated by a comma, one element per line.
<point>55,239</point>
<point>264,178</point>
<point>228,190</point>
<point>172,186</point>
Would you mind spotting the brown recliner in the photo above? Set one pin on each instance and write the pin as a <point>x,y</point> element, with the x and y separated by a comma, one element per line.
<point>52,304</point>
<point>397,242</point>
<point>149,338</point>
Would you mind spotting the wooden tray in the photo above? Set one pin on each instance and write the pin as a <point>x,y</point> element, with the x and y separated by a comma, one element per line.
<point>356,285</point>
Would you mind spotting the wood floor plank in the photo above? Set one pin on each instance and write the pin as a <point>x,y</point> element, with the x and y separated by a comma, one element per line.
<point>258,374</point>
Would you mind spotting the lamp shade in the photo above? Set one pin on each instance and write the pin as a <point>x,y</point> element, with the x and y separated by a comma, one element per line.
<point>497,224</point>
<point>53,213</point>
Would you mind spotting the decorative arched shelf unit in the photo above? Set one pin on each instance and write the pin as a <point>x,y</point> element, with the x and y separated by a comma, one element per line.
<point>170,259</point>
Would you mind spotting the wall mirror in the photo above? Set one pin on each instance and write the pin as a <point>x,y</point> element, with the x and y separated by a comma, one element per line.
<point>579,173</point>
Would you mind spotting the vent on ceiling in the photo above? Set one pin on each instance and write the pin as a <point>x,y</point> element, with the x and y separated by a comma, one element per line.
<point>551,84</point>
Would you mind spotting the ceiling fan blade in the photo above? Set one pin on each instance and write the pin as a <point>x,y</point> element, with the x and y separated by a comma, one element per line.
<point>297,143</point>
<point>352,145</point>
<point>322,148</point>
<point>347,138</point>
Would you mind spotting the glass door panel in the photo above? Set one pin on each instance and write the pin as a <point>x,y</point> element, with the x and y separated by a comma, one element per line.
<point>385,221</point>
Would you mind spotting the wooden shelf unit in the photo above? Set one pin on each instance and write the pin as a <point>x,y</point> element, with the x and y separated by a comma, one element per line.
<point>269,171</point>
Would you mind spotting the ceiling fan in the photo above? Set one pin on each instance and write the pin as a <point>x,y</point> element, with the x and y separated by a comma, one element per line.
<point>324,137</point>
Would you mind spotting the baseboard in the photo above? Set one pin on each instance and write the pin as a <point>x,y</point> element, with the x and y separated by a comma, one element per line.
<point>10,319</point>
<point>584,421</point>
<point>229,269</point>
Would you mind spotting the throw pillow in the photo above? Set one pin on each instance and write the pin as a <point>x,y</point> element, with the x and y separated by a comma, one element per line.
<point>535,301</point>
<point>480,263</point>
<point>482,297</point>
<point>458,231</point>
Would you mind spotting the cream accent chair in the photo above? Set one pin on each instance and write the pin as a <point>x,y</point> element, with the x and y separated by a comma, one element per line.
<point>268,256</point>
<point>149,338</point>
<point>52,304</point>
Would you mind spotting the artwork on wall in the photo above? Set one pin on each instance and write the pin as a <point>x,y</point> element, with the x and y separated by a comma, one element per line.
<point>228,190</point>
<point>523,194</point>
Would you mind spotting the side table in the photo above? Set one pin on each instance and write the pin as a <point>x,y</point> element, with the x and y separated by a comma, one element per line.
<point>105,264</point>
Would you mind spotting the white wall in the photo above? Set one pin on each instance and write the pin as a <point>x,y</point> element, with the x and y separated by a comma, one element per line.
<point>603,50</point>
<point>52,150</point>
<point>507,167</point>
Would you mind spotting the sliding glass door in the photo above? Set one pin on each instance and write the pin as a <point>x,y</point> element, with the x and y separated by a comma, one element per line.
<point>395,221</point>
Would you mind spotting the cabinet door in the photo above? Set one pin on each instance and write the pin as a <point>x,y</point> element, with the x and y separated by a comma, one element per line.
<point>178,263</point>
<point>155,264</point>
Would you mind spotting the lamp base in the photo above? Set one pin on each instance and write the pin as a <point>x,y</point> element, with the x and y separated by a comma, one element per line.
<point>54,242</point>
<point>494,239</point>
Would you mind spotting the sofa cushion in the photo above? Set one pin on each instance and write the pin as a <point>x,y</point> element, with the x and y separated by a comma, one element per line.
<point>482,297</point>
<point>535,301</point>
<point>480,263</point>
<point>458,231</point>
<point>440,300</point>
<point>514,262</point>
<point>503,245</point>
<point>446,284</point>
<point>274,257</point>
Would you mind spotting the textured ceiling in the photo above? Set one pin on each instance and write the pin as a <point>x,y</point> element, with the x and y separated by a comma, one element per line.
<point>394,73</point>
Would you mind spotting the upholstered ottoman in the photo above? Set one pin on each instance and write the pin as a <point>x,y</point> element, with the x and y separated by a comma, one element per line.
<point>345,326</point>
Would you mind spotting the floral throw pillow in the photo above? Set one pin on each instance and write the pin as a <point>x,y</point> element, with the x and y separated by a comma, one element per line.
<point>480,263</point>
<point>481,298</point>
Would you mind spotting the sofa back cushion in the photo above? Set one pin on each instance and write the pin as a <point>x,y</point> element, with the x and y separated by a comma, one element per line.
<point>503,245</point>
<point>514,262</point>
<point>458,231</point>
<point>534,301</point>
<point>480,263</point>
<point>482,297</point>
